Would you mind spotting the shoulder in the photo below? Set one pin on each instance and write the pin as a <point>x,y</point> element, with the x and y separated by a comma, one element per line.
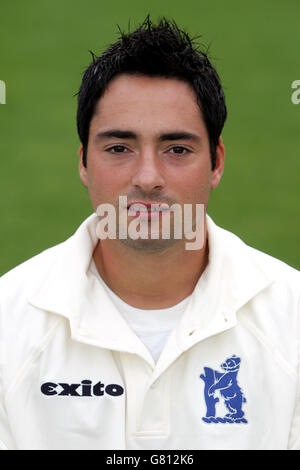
<point>29,271</point>
<point>63,256</point>
<point>243,256</point>
<point>247,274</point>
<point>274,266</point>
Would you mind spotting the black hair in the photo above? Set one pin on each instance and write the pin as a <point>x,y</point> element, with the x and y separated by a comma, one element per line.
<point>155,50</point>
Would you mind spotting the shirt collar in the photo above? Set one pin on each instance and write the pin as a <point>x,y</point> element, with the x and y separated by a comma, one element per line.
<point>233,276</point>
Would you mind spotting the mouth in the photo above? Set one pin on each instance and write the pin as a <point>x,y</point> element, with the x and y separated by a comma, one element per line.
<point>147,210</point>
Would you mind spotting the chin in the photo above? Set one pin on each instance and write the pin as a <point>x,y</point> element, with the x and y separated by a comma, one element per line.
<point>149,245</point>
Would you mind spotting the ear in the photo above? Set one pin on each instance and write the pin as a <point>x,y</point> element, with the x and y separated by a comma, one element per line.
<point>219,167</point>
<point>82,168</point>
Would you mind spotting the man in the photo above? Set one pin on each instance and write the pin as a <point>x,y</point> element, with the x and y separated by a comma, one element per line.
<point>137,342</point>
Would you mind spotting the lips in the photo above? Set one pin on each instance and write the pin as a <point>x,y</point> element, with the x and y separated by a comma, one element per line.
<point>146,209</point>
<point>147,206</point>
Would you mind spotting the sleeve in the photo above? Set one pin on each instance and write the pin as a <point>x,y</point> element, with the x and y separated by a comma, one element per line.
<point>6,440</point>
<point>294,438</point>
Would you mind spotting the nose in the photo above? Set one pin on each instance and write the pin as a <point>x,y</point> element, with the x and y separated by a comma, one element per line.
<point>148,174</point>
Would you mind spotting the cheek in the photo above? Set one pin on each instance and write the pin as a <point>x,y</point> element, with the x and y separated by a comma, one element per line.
<point>105,185</point>
<point>195,187</point>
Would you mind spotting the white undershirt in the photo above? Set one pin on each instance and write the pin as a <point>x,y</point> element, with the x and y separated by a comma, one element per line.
<point>151,326</point>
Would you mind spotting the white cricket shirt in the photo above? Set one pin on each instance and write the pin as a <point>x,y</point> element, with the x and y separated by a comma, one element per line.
<point>74,375</point>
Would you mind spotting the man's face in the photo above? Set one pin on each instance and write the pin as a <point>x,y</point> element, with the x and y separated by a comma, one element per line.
<point>148,141</point>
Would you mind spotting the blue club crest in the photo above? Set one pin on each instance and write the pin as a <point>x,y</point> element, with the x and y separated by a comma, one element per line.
<point>226,384</point>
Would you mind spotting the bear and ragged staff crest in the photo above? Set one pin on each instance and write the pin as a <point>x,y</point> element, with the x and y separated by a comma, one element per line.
<point>226,383</point>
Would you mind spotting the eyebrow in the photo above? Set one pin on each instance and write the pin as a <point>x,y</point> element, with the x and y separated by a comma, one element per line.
<point>179,136</point>
<point>117,133</point>
<point>120,134</point>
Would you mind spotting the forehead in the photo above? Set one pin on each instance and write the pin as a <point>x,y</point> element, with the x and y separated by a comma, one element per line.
<point>146,102</point>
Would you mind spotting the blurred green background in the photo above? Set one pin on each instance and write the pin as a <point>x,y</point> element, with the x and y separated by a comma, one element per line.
<point>43,51</point>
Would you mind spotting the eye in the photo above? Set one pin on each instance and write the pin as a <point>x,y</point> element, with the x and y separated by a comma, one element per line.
<point>179,150</point>
<point>117,149</point>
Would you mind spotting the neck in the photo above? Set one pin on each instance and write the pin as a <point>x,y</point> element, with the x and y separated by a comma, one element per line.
<point>150,279</point>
